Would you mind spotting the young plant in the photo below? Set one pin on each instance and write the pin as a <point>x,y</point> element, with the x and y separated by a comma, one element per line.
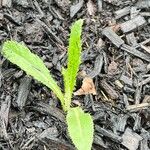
<point>80,124</point>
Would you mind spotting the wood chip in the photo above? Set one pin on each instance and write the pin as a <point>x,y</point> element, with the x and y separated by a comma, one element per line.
<point>121,122</point>
<point>4,111</point>
<point>23,92</point>
<point>118,84</point>
<point>49,32</point>
<point>126,80</point>
<point>100,5</point>
<point>134,12</point>
<point>99,141</point>
<point>112,68</point>
<point>145,81</point>
<point>131,139</point>
<point>137,107</point>
<point>75,8</point>
<point>132,24</point>
<point>97,66</point>
<point>108,134</point>
<point>22,3</point>
<point>112,36</point>
<point>137,94</point>
<point>91,8</point>
<point>146,48</point>
<point>49,110</point>
<point>143,4</point>
<point>146,99</point>
<point>100,43</point>
<point>125,100</point>
<point>6,3</point>
<point>49,133</point>
<point>63,4</point>
<point>109,90</point>
<point>1,16</point>
<point>135,52</point>
<point>87,87</point>
<point>144,142</point>
<point>12,19</point>
<point>131,39</point>
<point>122,12</point>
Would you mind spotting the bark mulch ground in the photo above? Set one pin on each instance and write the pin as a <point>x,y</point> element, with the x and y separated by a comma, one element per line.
<point>116,55</point>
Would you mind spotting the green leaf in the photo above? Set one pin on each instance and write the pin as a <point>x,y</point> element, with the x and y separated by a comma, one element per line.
<point>20,55</point>
<point>80,128</point>
<point>74,60</point>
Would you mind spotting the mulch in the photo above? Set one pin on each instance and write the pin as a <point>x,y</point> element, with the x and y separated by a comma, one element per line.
<point>116,55</point>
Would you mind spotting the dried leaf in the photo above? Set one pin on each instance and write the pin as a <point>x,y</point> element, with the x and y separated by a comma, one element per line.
<point>116,27</point>
<point>91,8</point>
<point>82,74</point>
<point>87,87</point>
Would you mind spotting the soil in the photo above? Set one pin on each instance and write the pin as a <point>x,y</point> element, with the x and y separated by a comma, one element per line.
<point>116,55</point>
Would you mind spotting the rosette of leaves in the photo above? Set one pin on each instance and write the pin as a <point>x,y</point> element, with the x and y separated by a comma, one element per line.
<point>80,124</point>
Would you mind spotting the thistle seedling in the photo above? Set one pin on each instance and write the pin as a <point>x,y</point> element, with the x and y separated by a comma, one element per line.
<point>80,124</point>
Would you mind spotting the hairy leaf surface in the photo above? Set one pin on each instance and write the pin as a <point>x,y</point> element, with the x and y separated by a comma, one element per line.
<point>20,55</point>
<point>80,128</point>
<point>74,60</point>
